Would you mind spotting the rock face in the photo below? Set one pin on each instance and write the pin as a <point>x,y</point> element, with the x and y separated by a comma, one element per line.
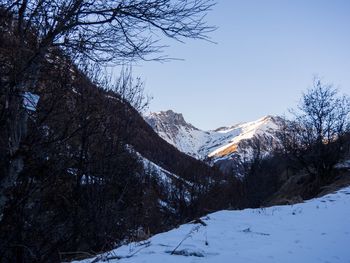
<point>173,128</point>
<point>225,146</point>
<point>169,123</point>
<point>169,118</point>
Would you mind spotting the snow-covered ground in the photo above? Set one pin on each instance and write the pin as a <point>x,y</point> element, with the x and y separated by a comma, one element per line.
<point>315,231</point>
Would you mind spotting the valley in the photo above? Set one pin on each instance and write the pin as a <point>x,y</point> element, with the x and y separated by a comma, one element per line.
<point>91,172</point>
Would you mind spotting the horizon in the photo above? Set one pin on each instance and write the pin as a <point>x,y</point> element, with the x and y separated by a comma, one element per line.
<point>258,67</point>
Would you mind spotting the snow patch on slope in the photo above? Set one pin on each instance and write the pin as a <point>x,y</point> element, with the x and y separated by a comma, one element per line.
<point>166,178</point>
<point>162,173</point>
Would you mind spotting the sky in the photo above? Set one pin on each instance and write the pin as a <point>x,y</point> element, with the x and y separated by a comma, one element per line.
<point>267,53</point>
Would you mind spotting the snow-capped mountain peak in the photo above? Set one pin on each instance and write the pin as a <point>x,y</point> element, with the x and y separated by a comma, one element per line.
<point>235,135</point>
<point>218,144</point>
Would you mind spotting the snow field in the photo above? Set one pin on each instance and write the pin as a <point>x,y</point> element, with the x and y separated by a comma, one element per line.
<point>317,230</point>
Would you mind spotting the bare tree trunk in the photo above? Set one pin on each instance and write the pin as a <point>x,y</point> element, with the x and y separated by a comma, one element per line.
<point>17,129</point>
<point>16,125</point>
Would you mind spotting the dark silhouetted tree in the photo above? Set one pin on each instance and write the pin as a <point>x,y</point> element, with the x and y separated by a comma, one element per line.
<point>314,138</point>
<point>84,30</point>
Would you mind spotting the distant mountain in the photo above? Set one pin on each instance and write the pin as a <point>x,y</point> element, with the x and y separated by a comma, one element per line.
<point>234,143</point>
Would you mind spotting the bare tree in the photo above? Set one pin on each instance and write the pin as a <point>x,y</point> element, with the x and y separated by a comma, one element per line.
<point>314,138</point>
<point>102,31</point>
<point>106,30</point>
<point>130,89</point>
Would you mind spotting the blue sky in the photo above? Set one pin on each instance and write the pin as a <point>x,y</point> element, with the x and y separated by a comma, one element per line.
<point>267,53</point>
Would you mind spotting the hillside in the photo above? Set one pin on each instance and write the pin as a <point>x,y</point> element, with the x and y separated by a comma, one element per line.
<point>80,169</point>
<point>313,231</point>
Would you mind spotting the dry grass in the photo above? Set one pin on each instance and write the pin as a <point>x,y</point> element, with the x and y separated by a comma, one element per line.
<point>228,150</point>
